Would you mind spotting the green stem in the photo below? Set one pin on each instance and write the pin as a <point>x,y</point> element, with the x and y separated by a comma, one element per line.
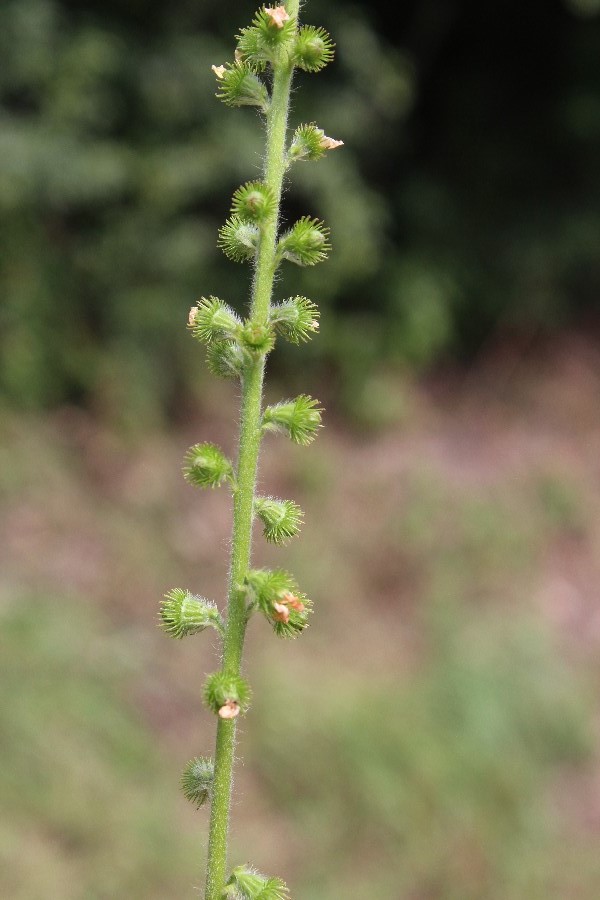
<point>249,446</point>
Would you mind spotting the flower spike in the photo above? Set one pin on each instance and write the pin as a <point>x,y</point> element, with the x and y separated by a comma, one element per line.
<point>260,75</point>
<point>281,518</point>
<point>300,419</point>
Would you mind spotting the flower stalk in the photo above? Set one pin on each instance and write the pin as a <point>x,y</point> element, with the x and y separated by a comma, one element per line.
<point>275,45</point>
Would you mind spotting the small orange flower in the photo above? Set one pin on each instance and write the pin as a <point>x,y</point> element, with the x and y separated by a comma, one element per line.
<point>293,602</point>
<point>277,15</point>
<point>328,143</point>
<point>282,613</point>
<point>230,709</point>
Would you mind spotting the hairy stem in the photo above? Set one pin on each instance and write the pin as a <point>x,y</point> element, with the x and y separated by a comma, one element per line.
<point>249,446</point>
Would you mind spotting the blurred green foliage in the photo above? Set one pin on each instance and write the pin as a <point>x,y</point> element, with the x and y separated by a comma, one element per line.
<point>462,203</point>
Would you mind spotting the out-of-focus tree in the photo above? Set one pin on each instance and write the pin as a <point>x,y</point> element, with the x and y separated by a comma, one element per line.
<point>472,162</point>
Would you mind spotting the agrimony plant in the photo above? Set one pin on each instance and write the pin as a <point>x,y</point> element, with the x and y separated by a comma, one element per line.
<point>260,75</point>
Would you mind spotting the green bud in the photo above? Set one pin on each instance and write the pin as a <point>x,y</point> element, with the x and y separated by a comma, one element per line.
<point>306,243</point>
<point>247,884</point>
<point>275,593</point>
<point>238,239</point>
<point>240,86</point>
<point>258,336</point>
<point>212,320</point>
<point>281,518</point>
<point>300,419</point>
<point>205,465</point>
<point>197,780</point>
<point>226,694</point>
<point>182,614</point>
<point>295,319</point>
<point>314,48</point>
<point>254,202</point>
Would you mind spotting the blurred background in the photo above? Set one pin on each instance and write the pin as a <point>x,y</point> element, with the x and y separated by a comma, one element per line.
<point>434,736</point>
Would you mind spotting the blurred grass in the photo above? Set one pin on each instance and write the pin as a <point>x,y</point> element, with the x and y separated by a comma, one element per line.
<point>432,737</point>
<point>86,796</point>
